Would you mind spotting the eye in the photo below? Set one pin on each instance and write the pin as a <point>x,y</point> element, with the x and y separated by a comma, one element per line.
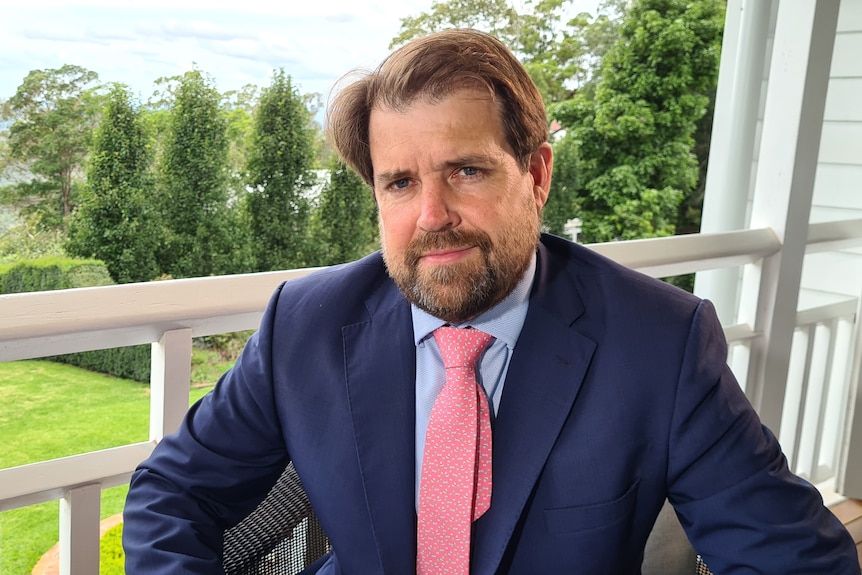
<point>470,171</point>
<point>400,184</point>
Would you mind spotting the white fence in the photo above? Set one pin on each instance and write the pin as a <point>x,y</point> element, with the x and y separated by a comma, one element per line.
<point>169,314</point>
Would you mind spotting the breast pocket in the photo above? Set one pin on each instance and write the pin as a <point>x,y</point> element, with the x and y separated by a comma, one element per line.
<point>593,516</point>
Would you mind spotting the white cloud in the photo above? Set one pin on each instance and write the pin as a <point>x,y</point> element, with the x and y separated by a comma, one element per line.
<point>237,43</point>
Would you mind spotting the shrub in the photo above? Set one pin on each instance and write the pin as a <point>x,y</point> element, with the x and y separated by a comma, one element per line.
<point>54,273</point>
<point>111,556</point>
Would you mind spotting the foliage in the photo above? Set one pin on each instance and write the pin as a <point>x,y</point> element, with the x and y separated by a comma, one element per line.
<point>116,222</point>
<point>240,107</point>
<point>635,137</point>
<point>111,556</point>
<point>345,222</point>
<point>559,52</point>
<point>8,219</point>
<point>132,362</point>
<point>323,154</point>
<point>51,273</point>
<point>51,410</point>
<point>278,206</point>
<point>560,207</point>
<point>29,240</point>
<point>53,114</point>
<point>192,192</point>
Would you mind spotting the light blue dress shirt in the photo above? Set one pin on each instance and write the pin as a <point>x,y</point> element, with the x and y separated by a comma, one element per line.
<point>503,321</point>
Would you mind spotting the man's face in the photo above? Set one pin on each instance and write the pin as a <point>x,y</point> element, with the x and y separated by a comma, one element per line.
<point>459,219</point>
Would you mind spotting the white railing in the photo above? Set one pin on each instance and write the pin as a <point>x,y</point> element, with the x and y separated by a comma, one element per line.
<point>169,314</point>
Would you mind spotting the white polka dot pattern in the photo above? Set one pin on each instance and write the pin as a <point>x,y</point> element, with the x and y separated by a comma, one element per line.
<point>455,487</point>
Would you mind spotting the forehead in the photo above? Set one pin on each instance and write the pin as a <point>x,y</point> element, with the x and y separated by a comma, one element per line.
<point>464,116</point>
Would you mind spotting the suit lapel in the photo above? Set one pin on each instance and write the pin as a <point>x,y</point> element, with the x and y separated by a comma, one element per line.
<point>381,367</point>
<point>545,375</point>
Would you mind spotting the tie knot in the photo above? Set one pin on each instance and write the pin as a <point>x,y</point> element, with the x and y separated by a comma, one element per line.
<point>461,347</point>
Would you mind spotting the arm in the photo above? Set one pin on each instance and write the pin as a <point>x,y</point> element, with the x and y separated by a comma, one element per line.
<point>212,472</point>
<point>729,482</point>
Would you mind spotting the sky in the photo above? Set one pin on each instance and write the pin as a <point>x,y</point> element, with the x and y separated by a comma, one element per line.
<point>236,43</point>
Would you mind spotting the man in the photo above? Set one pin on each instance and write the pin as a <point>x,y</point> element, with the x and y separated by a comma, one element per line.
<point>607,390</point>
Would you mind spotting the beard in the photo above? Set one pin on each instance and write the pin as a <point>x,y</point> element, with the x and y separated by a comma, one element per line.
<point>460,291</point>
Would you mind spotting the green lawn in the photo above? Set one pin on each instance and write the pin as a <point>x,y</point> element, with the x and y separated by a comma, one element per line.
<point>50,410</point>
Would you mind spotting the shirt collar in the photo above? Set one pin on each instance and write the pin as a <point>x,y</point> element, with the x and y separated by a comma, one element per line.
<point>503,321</point>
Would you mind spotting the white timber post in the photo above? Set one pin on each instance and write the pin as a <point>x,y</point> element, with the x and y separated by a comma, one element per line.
<point>79,530</point>
<point>731,148</point>
<point>784,184</point>
<point>170,377</point>
<point>848,479</point>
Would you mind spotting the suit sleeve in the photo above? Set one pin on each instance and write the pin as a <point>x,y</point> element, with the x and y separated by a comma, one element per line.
<point>728,480</point>
<point>213,471</point>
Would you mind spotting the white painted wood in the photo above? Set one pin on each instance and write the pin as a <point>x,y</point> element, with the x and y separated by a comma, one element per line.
<point>79,530</point>
<point>841,142</point>
<point>822,214</point>
<point>170,378</point>
<point>833,272</point>
<point>848,479</point>
<point>848,46</point>
<point>49,480</point>
<point>674,255</point>
<point>65,321</point>
<point>735,122</point>
<point>160,305</point>
<point>842,100</point>
<point>798,77</point>
<point>838,185</point>
<point>794,395</point>
<point>822,365</point>
<point>835,422</point>
<point>834,235</point>
<point>850,16</point>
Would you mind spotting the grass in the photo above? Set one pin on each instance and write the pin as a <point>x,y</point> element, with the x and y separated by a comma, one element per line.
<point>50,410</point>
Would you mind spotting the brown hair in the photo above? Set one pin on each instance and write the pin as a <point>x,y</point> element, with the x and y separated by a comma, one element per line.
<point>434,67</point>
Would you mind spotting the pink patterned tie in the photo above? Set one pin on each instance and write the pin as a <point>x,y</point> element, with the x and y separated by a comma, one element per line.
<point>455,487</point>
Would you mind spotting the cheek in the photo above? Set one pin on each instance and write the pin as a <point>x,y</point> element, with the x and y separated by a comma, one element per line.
<point>395,229</point>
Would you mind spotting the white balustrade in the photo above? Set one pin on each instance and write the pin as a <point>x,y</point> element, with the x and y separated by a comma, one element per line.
<point>168,314</point>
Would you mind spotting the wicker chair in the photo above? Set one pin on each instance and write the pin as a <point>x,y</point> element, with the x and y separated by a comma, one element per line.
<point>283,537</point>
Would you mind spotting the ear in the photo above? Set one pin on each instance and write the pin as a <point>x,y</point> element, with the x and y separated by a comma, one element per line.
<point>541,167</point>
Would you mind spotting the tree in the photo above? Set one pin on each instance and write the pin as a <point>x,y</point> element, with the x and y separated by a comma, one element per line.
<point>635,137</point>
<point>345,222</point>
<point>200,237</point>
<point>280,178</point>
<point>559,52</point>
<point>240,106</point>
<point>560,207</point>
<point>53,115</point>
<point>115,221</point>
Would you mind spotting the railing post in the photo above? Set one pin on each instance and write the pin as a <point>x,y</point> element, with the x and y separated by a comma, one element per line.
<point>787,163</point>
<point>848,479</point>
<point>79,530</point>
<point>728,180</point>
<point>170,377</point>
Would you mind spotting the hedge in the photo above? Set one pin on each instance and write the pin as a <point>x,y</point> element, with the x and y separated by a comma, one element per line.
<point>53,273</point>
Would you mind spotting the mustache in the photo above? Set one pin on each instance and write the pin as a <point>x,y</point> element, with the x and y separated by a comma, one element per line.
<point>446,239</point>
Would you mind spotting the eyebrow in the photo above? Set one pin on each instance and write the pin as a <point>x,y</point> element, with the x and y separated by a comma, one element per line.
<point>473,160</point>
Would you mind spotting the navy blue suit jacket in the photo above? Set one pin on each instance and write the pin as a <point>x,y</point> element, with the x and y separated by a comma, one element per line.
<point>617,397</point>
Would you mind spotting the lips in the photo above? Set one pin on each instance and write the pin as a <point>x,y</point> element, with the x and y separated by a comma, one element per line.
<point>446,246</point>
<point>447,255</point>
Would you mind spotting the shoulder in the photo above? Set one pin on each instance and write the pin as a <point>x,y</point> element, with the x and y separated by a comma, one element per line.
<point>597,276</point>
<point>345,290</point>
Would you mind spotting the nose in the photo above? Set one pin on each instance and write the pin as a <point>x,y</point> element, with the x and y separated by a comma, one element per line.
<point>437,208</point>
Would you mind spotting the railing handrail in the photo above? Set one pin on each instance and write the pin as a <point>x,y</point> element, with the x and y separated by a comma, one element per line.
<point>43,481</point>
<point>39,324</point>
